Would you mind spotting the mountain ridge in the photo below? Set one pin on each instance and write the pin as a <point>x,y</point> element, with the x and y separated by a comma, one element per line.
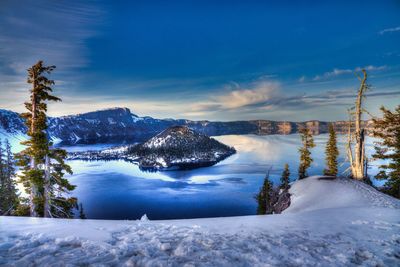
<point>121,123</point>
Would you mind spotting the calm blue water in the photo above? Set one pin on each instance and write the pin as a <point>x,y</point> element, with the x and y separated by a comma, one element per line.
<point>119,190</point>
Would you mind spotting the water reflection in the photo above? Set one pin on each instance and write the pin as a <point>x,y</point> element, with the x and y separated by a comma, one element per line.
<point>120,190</point>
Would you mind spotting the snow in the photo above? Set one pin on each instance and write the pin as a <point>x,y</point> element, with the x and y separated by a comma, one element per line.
<point>157,141</point>
<point>330,223</point>
<point>15,139</point>
<point>161,162</point>
<point>75,137</point>
<point>111,121</point>
<point>314,194</point>
<point>136,118</point>
<point>118,149</point>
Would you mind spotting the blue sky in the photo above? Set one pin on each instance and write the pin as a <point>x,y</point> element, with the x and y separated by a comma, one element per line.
<point>215,60</point>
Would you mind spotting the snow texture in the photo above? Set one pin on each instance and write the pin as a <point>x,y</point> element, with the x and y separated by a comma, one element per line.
<point>330,223</point>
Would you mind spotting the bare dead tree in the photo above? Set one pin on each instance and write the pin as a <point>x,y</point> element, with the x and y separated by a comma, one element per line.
<point>356,138</point>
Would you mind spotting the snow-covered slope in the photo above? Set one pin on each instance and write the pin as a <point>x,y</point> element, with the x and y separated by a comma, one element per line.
<point>323,227</point>
<point>316,193</point>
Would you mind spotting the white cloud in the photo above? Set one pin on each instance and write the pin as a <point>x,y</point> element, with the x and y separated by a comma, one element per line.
<point>337,72</point>
<point>302,79</point>
<point>333,73</point>
<point>395,29</point>
<point>256,93</point>
<point>262,92</point>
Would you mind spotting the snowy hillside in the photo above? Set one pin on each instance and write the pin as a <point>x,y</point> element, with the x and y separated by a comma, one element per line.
<point>180,147</point>
<point>330,223</point>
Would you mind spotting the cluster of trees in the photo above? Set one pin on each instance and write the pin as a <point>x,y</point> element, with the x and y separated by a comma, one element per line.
<point>386,129</point>
<point>268,196</point>
<point>41,165</point>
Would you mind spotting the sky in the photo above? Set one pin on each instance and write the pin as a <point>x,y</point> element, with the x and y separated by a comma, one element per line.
<point>213,60</point>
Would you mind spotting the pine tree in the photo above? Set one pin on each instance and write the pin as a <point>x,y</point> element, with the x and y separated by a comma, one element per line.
<point>285,177</point>
<point>8,190</point>
<point>81,212</point>
<point>331,153</point>
<point>388,149</point>
<point>42,167</point>
<point>305,154</point>
<point>264,197</point>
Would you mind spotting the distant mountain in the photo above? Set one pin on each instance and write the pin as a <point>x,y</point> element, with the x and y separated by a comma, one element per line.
<point>177,147</point>
<point>120,123</point>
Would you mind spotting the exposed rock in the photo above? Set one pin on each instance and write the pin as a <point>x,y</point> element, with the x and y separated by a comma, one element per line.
<point>282,201</point>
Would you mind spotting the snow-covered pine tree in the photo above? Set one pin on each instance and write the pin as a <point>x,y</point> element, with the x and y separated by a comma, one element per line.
<point>43,167</point>
<point>331,153</point>
<point>305,153</point>
<point>387,129</point>
<point>285,177</point>
<point>8,190</point>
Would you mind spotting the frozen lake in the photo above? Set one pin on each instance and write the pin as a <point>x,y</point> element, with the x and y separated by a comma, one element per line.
<point>119,190</point>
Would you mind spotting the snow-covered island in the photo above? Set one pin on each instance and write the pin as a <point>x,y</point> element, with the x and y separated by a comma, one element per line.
<point>177,147</point>
<point>338,222</point>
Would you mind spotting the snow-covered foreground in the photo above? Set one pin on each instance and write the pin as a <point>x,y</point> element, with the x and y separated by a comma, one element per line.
<point>330,223</point>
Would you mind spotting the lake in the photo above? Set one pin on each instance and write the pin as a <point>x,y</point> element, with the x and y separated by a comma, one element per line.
<point>119,190</point>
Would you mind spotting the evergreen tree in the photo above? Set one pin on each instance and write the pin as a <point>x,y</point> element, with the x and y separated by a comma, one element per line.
<point>264,197</point>
<point>331,153</point>
<point>81,212</point>
<point>305,154</point>
<point>42,167</point>
<point>285,177</point>
<point>388,149</point>
<point>8,190</point>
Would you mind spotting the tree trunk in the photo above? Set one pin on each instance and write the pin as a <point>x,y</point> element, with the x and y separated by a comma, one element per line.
<point>47,212</point>
<point>34,189</point>
<point>357,163</point>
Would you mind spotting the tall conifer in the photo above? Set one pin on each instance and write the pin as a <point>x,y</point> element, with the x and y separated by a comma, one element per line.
<point>264,197</point>
<point>285,177</point>
<point>43,167</point>
<point>387,129</point>
<point>305,153</point>
<point>331,153</point>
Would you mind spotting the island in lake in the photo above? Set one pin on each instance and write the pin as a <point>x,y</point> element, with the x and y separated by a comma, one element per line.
<point>177,147</point>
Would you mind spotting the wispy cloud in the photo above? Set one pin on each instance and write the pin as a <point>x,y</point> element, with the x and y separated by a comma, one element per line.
<point>53,31</point>
<point>265,97</point>
<point>337,72</point>
<point>394,29</point>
